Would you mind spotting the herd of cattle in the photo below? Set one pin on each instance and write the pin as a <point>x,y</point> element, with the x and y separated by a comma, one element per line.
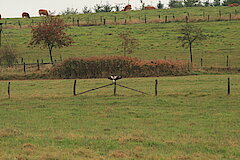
<point>41,12</point>
<point>44,12</point>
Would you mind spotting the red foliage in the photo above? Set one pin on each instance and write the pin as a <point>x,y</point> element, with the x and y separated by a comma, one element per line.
<point>100,67</point>
<point>50,33</point>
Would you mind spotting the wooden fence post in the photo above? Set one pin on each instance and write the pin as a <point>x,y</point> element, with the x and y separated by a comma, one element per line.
<point>208,18</point>
<point>230,16</point>
<point>42,61</point>
<point>145,19</point>
<point>24,67</point>
<point>156,87</point>
<point>186,19</point>
<point>74,87</point>
<point>125,21</point>
<point>38,66</point>
<point>21,60</point>
<point>73,21</point>
<point>229,89</point>
<point>159,16</point>
<point>114,88</point>
<point>165,19</point>
<point>201,63</point>
<point>104,21</point>
<point>19,23</point>
<point>78,24</point>
<point>9,89</point>
<point>115,19</point>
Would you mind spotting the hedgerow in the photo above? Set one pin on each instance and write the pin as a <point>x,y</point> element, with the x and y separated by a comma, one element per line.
<point>101,67</point>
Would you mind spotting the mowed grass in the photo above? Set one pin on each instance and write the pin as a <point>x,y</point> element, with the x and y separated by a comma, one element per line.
<point>191,118</point>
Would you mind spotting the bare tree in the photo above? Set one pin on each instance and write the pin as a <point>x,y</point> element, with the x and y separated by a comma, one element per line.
<point>190,34</point>
<point>129,43</point>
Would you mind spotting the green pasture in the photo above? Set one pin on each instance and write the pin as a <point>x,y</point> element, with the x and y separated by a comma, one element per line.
<point>191,118</point>
<point>156,41</point>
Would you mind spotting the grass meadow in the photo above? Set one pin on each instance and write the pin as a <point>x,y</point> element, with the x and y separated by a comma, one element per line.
<point>156,41</point>
<point>191,118</point>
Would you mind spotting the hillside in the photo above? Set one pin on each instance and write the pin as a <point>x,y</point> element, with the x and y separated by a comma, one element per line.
<point>157,40</point>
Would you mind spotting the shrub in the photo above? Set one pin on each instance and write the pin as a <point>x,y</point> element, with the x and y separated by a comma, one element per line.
<point>7,56</point>
<point>100,67</point>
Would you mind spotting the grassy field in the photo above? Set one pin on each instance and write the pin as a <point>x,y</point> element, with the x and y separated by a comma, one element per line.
<point>156,41</point>
<point>195,119</point>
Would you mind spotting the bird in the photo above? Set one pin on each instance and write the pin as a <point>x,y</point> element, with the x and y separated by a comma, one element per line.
<point>114,78</point>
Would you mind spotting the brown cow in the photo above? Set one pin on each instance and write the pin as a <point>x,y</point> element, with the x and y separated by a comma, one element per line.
<point>127,8</point>
<point>25,15</point>
<point>43,12</point>
<point>233,5</point>
<point>149,8</point>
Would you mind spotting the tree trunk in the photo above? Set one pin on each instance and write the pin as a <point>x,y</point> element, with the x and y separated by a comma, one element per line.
<point>50,53</point>
<point>191,56</point>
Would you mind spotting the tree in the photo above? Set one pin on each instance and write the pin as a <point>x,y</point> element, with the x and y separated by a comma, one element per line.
<point>103,8</point>
<point>50,33</point>
<point>69,11</point>
<point>86,10</point>
<point>191,3</point>
<point>129,43</point>
<point>159,5</point>
<point>216,3</point>
<point>175,4</point>
<point>190,34</point>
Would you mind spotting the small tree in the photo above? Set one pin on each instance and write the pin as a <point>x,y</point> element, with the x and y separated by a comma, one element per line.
<point>86,10</point>
<point>175,4</point>
<point>7,56</point>
<point>160,5</point>
<point>50,33</point>
<point>190,34</point>
<point>69,11</point>
<point>129,43</point>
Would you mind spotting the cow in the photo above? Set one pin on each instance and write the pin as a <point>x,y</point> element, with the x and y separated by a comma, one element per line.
<point>25,15</point>
<point>233,5</point>
<point>149,8</point>
<point>43,12</point>
<point>127,8</point>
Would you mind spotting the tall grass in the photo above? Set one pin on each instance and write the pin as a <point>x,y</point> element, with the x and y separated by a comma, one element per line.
<point>99,67</point>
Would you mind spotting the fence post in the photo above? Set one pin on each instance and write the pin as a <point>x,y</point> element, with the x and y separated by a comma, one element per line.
<point>104,21</point>
<point>24,67</point>
<point>74,87</point>
<point>186,19</point>
<point>19,23</point>
<point>220,14</point>
<point>42,61</point>
<point>156,87</point>
<point>125,21</point>
<point>101,18</point>
<point>159,16</point>
<point>9,89</point>
<point>38,66</point>
<point>230,16</point>
<point>229,89</point>
<point>173,17</point>
<point>165,19</point>
<point>21,60</point>
<point>73,21</point>
<point>114,88</point>
<point>145,18</point>
<point>208,18</point>
<point>115,19</point>
<point>78,23</point>
<point>201,63</point>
